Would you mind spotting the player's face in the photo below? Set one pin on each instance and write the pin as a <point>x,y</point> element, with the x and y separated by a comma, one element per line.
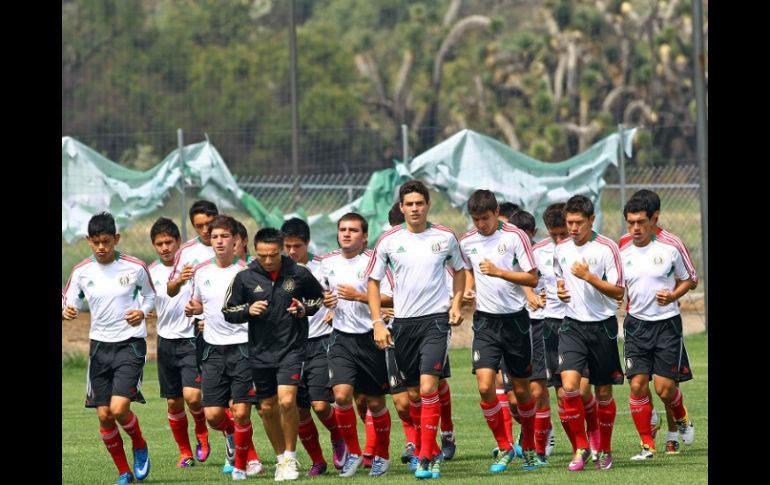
<point>558,234</point>
<point>223,243</point>
<point>269,255</point>
<point>201,225</point>
<point>350,236</point>
<point>240,246</point>
<point>103,247</point>
<point>415,208</point>
<point>640,227</point>
<point>486,223</point>
<point>166,246</point>
<point>296,249</point>
<point>579,226</point>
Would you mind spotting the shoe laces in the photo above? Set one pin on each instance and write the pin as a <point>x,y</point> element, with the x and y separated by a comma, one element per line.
<point>349,462</point>
<point>377,465</point>
<point>291,463</point>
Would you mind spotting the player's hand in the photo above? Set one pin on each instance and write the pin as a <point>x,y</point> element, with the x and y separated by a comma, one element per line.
<point>347,292</point>
<point>258,308</point>
<point>330,299</point>
<point>134,317</point>
<point>388,314</point>
<point>382,337</point>
<point>69,313</point>
<point>469,297</point>
<point>562,292</point>
<point>201,324</point>
<point>580,269</point>
<point>188,271</point>
<point>455,316</point>
<point>665,297</point>
<point>328,318</point>
<point>296,309</point>
<point>152,314</point>
<point>193,307</point>
<point>620,301</point>
<point>533,301</point>
<point>543,298</point>
<point>488,268</point>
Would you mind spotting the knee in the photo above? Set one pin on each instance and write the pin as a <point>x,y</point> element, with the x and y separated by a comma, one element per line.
<point>638,389</point>
<point>321,408</point>
<point>604,393</point>
<point>287,402</point>
<point>487,389</point>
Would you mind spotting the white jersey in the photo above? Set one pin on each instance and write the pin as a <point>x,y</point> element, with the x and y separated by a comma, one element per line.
<point>192,252</point>
<point>171,320</point>
<point>210,286</point>
<point>316,325</point>
<point>543,253</point>
<point>417,262</point>
<point>336,269</point>
<point>509,249</point>
<point>664,235</point>
<point>647,270</point>
<point>111,290</point>
<point>587,304</point>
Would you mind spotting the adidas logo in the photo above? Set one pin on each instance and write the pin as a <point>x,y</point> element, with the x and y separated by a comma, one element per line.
<point>258,289</point>
<point>563,260</point>
<point>332,273</point>
<point>628,263</point>
<point>90,283</point>
<point>207,283</point>
<point>473,251</point>
<point>401,249</point>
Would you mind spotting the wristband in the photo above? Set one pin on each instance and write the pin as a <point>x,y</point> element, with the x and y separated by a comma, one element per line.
<point>378,320</point>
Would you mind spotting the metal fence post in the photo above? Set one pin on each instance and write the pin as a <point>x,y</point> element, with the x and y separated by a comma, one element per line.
<point>182,200</point>
<point>622,173</point>
<point>404,143</point>
<point>702,143</point>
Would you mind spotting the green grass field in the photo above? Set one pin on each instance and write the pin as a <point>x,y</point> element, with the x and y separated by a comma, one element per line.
<point>85,460</point>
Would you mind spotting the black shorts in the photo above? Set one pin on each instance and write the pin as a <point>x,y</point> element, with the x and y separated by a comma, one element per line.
<point>656,348</point>
<point>591,344</point>
<point>288,373</point>
<point>503,337</point>
<point>395,376</point>
<point>199,343</point>
<point>226,375</point>
<point>421,344</point>
<point>115,369</point>
<point>551,328</point>
<point>354,359</point>
<point>177,367</point>
<point>538,350</point>
<point>316,375</point>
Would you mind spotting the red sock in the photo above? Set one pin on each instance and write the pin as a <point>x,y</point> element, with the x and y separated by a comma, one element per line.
<point>493,413</point>
<point>445,398</point>
<point>114,443</point>
<point>242,436</point>
<point>415,412</point>
<point>346,423</point>
<point>431,413</point>
<point>592,423</point>
<point>677,406</point>
<point>330,422</point>
<point>381,426</point>
<point>607,411</point>
<point>527,416</point>
<point>201,431</point>
<point>225,425</point>
<point>542,428</point>
<point>308,435</point>
<point>575,415</point>
<point>502,398</point>
<point>408,426</point>
<point>641,411</point>
<point>567,429</point>
<point>178,424</point>
<point>514,412</point>
<point>132,429</point>
<point>252,454</point>
<point>370,448</point>
<point>230,423</point>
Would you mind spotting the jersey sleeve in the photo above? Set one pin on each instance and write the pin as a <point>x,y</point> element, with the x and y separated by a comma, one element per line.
<point>236,306</point>
<point>73,295</point>
<point>457,261</point>
<point>146,289</point>
<point>522,251</point>
<point>679,267</point>
<point>377,263</point>
<point>613,269</point>
<point>558,271</point>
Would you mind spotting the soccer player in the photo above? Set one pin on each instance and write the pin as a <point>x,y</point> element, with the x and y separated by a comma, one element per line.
<point>417,253</point>
<point>178,375</point>
<point>656,277</point>
<point>276,295</point>
<point>242,243</point>
<point>507,210</point>
<point>355,362</point>
<point>501,262</point>
<point>315,377</point>
<point>589,279</point>
<point>111,282</point>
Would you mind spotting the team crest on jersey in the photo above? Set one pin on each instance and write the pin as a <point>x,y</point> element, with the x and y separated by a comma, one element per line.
<point>258,289</point>
<point>435,247</point>
<point>361,275</point>
<point>476,355</point>
<point>125,279</point>
<point>207,283</point>
<point>288,285</point>
<point>657,260</point>
<point>501,248</point>
<point>592,261</point>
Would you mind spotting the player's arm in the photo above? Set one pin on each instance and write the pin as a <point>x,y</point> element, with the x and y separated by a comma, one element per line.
<point>236,308</point>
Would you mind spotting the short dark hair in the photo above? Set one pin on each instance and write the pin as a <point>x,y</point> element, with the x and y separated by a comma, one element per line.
<point>652,198</point>
<point>579,203</point>
<point>241,230</point>
<point>224,222</point>
<point>353,216</point>
<point>102,223</point>
<point>269,235</point>
<point>395,216</point>
<point>480,201</point>
<point>203,207</point>
<point>508,209</point>
<point>524,221</point>
<point>413,186</point>
<point>296,227</point>
<point>554,215</point>
<point>164,225</point>
<point>639,204</point>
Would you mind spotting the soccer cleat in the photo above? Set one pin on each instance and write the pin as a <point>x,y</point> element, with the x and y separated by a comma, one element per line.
<point>448,446</point>
<point>254,467</point>
<point>339,453</point>
<point>230,448</point>
<point>672,447</point>
<point>654,424</point>
<point>686,429</point>
<point>517,447</point>
<point>351,465</point>
<point>380,467</point>
<point>202,450</point>
<point>414,462</point>
<point>238,474</point>
<point>317,469</point>
<point>605,461</point>
<point>227,468</point>
<point>125,478</point>
<point>408,453</point>
<point>647,453</point>
<point>551,442</point>
<point>579,460</point>
<point>501,461</point>
<point>530,460</point>
<point>423,469</point>
<point>367,461</point>
<point>185,462</point>
<point>435,466</point>
<point>495,452</point>
<point>290,469</point>
<point>593,443</point>
<point>141,462</point>
<point>541,459</point>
